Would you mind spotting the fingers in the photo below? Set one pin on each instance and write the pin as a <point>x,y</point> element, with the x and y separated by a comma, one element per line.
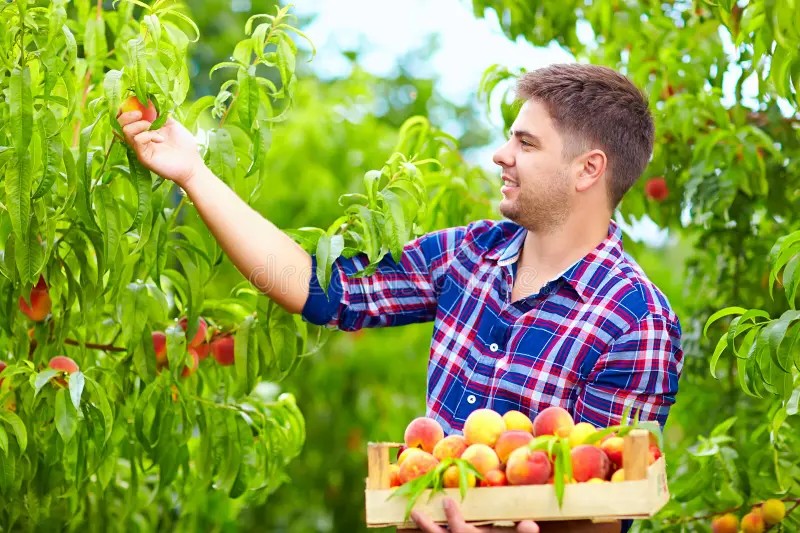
<point>135,128</point>
<point>148,136</point>
<point>425,524</point>
<point>527,526</point>
<point>126,118</point>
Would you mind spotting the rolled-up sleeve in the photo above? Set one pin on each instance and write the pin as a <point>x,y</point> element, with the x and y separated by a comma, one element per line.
<point>396,293</point>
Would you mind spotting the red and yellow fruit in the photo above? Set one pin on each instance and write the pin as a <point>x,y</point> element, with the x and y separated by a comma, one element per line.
<point>727,523</point>
<point>3,366</point>
<point>65,365</point>
<point>613,446</point>
<point>510,441</point>
<point>483,426</point>
<point>553,420</point>
<point>452,446</point>
<point>451,478</point>
<point>222,350</point>
<point>753,522</point>
<point>191,368</point>
<point>580,433</point>
<point>38,304</point>
<point>589,462</point>
<point>415,465</point>
<point>517,420</point>
<point>773,511</point>
<point>494,478</point>
<point>656,189</point>
<point>527,467</point>
<point>160,347</point>
<point>423,433</point>
<point>482,457</point>
<point>132,103</point>
<point>199,336</point>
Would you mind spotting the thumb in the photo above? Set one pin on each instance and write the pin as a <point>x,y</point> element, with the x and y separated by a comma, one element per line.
<point>527,526</point>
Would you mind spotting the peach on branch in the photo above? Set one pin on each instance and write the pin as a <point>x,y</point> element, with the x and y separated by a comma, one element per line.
<point>482,457</point>
<point>63,364</point>
<point>38,304</point>
<point>199,336</point>
<point>132,103</point>
<point>528,467</point>
<point>727,523</point>
<point>424,433</point>
<point>3,366</point>
<point>160,347</point>
<point>516,420</point>
<point>416,465</point>
<point>204,350</point>
<point>450,446</point>
<point>553,420</point>
<point>191,368</point>
<point>451,478</point>
<point>656,189</point>
<point>510,441</point>
<point>773,511</point>
<point>753,522</point>
<point>589,461</point>
<point>222,350</point>
<point>483,426</point>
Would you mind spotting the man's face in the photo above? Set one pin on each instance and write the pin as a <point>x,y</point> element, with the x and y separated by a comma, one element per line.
<point>537,188</point>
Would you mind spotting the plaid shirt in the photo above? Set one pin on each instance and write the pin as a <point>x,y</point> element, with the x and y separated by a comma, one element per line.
<point>598,338</point>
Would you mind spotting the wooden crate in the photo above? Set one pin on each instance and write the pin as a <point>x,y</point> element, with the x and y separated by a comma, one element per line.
<point>641,495</point>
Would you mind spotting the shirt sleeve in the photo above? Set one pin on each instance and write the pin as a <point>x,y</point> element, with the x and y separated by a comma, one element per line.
<point>640,369</point>
<point>396,293</point>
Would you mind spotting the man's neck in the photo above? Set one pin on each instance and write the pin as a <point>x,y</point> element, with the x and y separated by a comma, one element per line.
<point>545,255</point>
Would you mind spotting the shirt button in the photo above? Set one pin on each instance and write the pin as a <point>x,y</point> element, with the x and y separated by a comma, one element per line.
<point>471,399</point>
<point>493,347</point>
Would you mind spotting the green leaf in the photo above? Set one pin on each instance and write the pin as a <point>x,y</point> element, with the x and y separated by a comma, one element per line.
<point>20,101</point>
<point>76,384</point>
<point>139,72</point>
<point>18,184</point>
<point>97,395</point>
<point>43,378</point>
<point>95,46</point>
<point>18,427</point>
<point>143,183</point>
<point>329,249</point>
<point>248,100</point>
<point>722,313</point>
<point>66,416</point>
<point>3,441</point>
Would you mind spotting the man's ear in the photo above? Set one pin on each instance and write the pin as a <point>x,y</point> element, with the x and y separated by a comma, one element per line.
<point>592,167</point>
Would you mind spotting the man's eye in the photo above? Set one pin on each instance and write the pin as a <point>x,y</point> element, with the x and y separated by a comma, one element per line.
<point>526,143</point>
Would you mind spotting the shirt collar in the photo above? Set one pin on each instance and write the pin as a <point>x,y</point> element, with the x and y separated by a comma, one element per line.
<point>585,275</point>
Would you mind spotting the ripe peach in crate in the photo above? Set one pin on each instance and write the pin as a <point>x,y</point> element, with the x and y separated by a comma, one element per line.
<point>528,467</point>
<point>483,426</point>
<point>517,420</point>
<point>416,465</point>
<point>423,433</point>
<point>451,446</point>
<point>510,441</point>
<point>589,462</point>
<point>482,457</point>
<point>553,420</point>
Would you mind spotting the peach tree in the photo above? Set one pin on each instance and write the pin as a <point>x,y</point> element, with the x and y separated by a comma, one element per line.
<point>126,387</point>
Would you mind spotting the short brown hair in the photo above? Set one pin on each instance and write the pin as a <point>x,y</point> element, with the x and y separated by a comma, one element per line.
<point>593,106</point>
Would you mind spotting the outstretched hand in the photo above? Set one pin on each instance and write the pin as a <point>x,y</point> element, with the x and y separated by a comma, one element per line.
<point>170,151</point>
<point>457,524</point>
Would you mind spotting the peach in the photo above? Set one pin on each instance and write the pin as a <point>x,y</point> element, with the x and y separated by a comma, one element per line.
<point>727,523</point>
<point>40,303</point>
<point>482,457</point>
<point>553,420</point>
<point>528,467</point>
<point>405,454</point>
<point>654,454</point>
<point>200,334</point>
<point>132,103</point>
<point>188,370</point>
<point>613,447</point>
<point>3,366</point>
<point>452,480</point>
<point>656,189</point>
<point>416,465</point>
<point>618,476</point>
<point>222,350</point>
<point>63,364</point>
<point>580,433</point>
<point>773,511</point>
<point>596,480</point>
<point>424,433</point>
<point>753,522</point>
<point>494,478</point>
<point>204,350</point>
<point>589,461</point>
<point>394,475</point>
<point>510,441</point>
<point>160,347</point>
<point>450,446</point>
<point>516,420</point>
<point>483,426</point>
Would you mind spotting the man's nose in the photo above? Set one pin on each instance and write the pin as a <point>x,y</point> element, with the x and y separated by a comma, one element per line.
<point>503,156</point>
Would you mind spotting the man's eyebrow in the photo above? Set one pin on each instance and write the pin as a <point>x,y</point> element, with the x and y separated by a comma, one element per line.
<point>522,133</point>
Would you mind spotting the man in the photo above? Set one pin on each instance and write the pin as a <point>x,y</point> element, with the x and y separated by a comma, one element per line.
<point>541,309</point>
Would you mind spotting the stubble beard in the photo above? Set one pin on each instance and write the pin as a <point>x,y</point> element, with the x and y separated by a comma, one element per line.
<point>540,210</point>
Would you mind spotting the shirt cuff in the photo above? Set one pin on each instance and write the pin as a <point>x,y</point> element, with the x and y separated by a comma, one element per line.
<point>320,308</point>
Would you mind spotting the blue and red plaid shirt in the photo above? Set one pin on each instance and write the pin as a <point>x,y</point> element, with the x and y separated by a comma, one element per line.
<point>598,338</point>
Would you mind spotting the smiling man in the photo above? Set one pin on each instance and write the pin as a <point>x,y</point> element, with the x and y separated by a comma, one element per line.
<point>544,308</point>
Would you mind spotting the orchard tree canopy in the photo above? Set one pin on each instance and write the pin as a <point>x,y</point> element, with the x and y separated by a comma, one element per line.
<point>153,422</point>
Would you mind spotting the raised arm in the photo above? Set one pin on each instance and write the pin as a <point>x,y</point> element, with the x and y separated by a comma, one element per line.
<point>266,256</point>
